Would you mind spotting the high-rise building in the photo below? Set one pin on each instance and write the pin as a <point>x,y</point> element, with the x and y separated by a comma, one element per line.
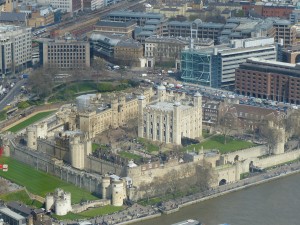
<point>16,48</point>
<point>268,79</point>
<point>215,66</point>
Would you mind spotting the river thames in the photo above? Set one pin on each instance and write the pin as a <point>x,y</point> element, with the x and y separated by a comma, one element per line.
<point>274,203</point>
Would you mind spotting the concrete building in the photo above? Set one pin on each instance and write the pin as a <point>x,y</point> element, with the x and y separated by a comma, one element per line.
<point>290,54</point>
<point>195,29</point>
<point>139,17</point>
<point>16,48</point>
<point>115,27</point>
<point>69,6</point>
<point>65,54</point>
<point>168,122</point>
<point>11,217</point>
<point>268,79</point>
<point>93,4</point>
<point>168,49</point>
<point>215,66</point>
<point>285,31</point>
<point>59,202</point>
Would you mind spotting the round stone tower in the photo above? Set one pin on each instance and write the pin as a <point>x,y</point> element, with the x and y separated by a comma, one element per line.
<point>161,93</point>
<point>49,201</point>
<point>105,187</point>
<point>117,193</point>
<point>31,138</point>
<point>76,153</point>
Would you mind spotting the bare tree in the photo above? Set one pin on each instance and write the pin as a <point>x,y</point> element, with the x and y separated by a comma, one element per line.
<point>227,123</point>
<point>271,135</point>
<point>41,82</point>
<point>204,176</point>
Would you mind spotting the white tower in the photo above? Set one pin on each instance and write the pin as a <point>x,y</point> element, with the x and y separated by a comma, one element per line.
<point>161,93</point>
<point>49,201</point>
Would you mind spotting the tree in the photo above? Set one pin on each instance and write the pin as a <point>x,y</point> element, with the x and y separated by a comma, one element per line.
<point>271,135</point>
<point>204,176</point>
<point>41,82</point>
<point>226,124</point>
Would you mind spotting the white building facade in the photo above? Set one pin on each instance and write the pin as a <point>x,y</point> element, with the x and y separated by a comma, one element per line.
<point>168,122</point>
<point>16,48</point>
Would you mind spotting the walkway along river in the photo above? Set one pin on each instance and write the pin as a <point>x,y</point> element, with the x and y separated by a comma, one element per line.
<point>273,203</point>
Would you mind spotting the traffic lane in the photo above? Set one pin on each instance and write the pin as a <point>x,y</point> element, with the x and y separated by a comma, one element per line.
<point>10,96</point>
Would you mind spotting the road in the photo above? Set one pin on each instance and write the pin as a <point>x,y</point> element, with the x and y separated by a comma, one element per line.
<point>10,96</point>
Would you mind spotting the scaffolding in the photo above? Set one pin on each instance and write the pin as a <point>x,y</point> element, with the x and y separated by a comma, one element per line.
<point>196,67</point>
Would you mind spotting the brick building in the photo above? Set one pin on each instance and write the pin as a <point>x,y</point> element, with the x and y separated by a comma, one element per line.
<point>267,79</point>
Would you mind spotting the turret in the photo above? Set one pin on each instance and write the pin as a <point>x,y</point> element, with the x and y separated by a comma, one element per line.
<point>118,193</point>
<point>31,138</point>
<point>105,187</point>
<point>161,93</point>
<point>77,150</point>
<point>141,105</point>
<point>176,124</point>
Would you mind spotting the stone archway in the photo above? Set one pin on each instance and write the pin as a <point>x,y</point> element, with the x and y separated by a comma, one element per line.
<point>222,182</point>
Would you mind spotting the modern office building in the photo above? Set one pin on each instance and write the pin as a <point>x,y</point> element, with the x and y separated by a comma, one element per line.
<point>16,48</point>
<point>65,54</point>
<point>215,66</point>
<point>268,79</point>
<point>290,54</point>
<point>195,29</point>
<point>168,49</point>
<point>139,17</point>
<point>11,217</point>
<point>69,6</point>
<point>285,31</point>
<point>115,27</point>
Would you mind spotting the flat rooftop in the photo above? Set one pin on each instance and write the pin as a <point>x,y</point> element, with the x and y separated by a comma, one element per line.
<point>167,106</point>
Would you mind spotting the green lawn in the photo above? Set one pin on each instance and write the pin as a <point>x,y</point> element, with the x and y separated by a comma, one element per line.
<point>40,183</point>
<point>217,142</point>
<point>109,209</point>
<point>30,121</point>
<point>22,197</point>
<point>95,146</point>
<point>70,91</point>
<point>149,147</point>
<point>129,155</point>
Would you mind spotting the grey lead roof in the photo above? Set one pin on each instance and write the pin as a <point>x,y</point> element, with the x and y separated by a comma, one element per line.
<point>12,17</point>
